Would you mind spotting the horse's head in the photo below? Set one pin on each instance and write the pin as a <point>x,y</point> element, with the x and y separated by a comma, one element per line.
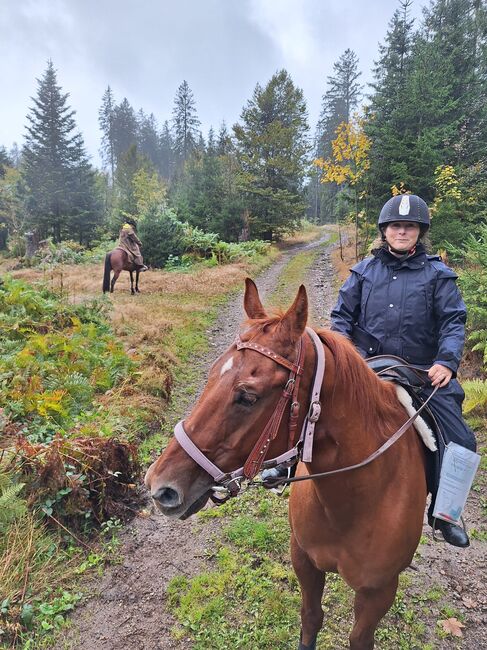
<point>242,392</point>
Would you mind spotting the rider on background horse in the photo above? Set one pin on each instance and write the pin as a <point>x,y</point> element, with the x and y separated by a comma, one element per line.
<point>403,302</point>
<point>131,244</point>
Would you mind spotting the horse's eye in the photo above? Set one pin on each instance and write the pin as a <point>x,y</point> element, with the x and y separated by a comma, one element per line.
<point>245,399</point>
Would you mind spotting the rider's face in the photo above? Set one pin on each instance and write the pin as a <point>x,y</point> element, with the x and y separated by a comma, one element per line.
<point>402,235</point>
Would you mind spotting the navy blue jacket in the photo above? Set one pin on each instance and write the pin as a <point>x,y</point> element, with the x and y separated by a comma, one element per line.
<point>410,308</point>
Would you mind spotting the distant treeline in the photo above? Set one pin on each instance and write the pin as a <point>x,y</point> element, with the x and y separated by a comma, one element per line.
<point>422,128</point>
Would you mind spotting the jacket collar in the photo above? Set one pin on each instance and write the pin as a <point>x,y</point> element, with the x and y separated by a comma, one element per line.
<point>415,261</point>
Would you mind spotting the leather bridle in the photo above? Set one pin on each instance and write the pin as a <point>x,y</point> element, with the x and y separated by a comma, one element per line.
<point>231,481</point>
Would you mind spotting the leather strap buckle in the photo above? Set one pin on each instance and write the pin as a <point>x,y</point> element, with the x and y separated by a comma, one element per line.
<point>314,411</point>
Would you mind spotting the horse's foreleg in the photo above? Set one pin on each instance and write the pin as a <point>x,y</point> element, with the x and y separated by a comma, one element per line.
<point>312,582</point>
<point>132,282</point>
<point>370,606</point>
<point>114,279</point>
<point>137,273</point>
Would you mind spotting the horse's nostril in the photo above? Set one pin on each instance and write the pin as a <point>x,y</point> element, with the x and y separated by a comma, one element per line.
<point>167,497</point>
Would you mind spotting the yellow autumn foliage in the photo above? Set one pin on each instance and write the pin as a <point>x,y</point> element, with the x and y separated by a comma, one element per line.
<point>349,160</point>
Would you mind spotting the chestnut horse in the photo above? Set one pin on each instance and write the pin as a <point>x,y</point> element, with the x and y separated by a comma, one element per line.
<point>117,261</point>
<point>365,523</point>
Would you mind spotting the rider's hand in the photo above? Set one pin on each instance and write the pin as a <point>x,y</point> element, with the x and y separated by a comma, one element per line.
<point>439,375</point>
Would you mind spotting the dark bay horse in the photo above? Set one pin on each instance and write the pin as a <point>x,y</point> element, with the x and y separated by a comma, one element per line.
<point>365,523</point>
<point>117,261</point>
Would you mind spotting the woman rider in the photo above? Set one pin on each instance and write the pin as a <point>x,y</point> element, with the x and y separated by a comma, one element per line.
<point>131,244</point>
<point>403,302</point>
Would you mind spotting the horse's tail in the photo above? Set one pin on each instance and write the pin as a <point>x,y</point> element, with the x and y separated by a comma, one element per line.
<point>106,275</point>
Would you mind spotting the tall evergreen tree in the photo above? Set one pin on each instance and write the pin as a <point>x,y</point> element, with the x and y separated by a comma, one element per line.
<point>389,107</point>
<point>124,128</point>
<point>341,98</point>
<point>185,122</point>
<point>167,155</point>
<point>224,141</point>
<point>55,164</point>
<point>5,161</point>
<point>148,138</point>
<point>106,122</point>
<point>272,148</point>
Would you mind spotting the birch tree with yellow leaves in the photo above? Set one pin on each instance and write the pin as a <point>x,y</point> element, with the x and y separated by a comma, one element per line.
<point>348,164</point>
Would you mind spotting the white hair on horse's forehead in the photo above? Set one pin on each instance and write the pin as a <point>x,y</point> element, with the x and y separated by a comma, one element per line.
<point>228,365</point>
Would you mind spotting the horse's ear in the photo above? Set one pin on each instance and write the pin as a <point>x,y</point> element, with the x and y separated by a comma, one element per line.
<point>252,305</point>
<point>296,317</point>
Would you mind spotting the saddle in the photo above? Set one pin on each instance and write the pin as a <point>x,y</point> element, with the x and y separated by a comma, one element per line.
<point>413,379</point>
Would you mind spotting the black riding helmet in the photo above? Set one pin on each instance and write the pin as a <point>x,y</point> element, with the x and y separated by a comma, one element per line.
<point>405,207</point>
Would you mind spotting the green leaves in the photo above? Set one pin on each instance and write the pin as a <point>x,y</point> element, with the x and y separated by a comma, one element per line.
<point>54,358</point>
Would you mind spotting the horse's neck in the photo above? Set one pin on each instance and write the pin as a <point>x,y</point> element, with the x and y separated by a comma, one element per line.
<point>351,428</point>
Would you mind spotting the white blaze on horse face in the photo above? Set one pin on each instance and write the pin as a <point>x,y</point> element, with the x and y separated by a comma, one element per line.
<point>228,365</point>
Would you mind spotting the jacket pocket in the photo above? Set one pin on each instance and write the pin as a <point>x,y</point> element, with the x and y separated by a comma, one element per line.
<point>419,354</point>
<point>365,341</point>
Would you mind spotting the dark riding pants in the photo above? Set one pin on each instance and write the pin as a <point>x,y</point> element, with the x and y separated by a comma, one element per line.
<point>446,406</point>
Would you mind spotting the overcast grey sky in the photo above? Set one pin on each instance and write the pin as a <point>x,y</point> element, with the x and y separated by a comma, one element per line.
<point>145,48</point>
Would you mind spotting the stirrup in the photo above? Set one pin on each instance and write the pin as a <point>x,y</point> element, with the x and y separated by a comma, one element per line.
<point>441,540</point>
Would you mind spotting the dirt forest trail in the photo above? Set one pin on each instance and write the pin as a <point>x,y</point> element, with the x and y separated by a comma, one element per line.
<point>128,607</point>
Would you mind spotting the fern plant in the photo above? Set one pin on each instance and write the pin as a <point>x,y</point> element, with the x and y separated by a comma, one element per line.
<point>475,395</point>
<point>12,506</point>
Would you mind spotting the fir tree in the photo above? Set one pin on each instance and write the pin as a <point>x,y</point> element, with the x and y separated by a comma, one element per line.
<point>166,148</point>
<point>124,129</point>
<point>148,138</point>
<point>224,141</point>
<point>106,122</point>
<point>341,98</point>
<point>55,164</point>
<point>185,122</point>
<point>272,149</point>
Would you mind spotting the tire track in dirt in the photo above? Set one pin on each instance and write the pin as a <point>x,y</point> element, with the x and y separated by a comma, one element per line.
<point>127,607</point>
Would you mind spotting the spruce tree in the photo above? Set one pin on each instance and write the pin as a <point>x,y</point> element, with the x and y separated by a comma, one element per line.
<point>106,122</point>
<point>272,150</point>
<point>167,154</point>
<point>185,122</point>
<point>55,168</point>
<point>340,99</point>
<point>390,108</point>
<point>148,138</point>
<point>124,129</point>
<point>224,141</point>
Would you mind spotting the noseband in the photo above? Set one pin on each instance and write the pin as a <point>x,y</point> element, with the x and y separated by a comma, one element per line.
<point>230,482</point>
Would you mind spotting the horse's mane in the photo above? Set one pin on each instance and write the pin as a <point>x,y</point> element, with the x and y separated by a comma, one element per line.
<point>376,400</point>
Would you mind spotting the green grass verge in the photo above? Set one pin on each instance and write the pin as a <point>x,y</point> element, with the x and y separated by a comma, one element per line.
<point>249,596</point>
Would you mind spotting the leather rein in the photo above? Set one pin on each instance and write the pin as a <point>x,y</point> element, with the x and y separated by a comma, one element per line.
<point>228,484</point>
